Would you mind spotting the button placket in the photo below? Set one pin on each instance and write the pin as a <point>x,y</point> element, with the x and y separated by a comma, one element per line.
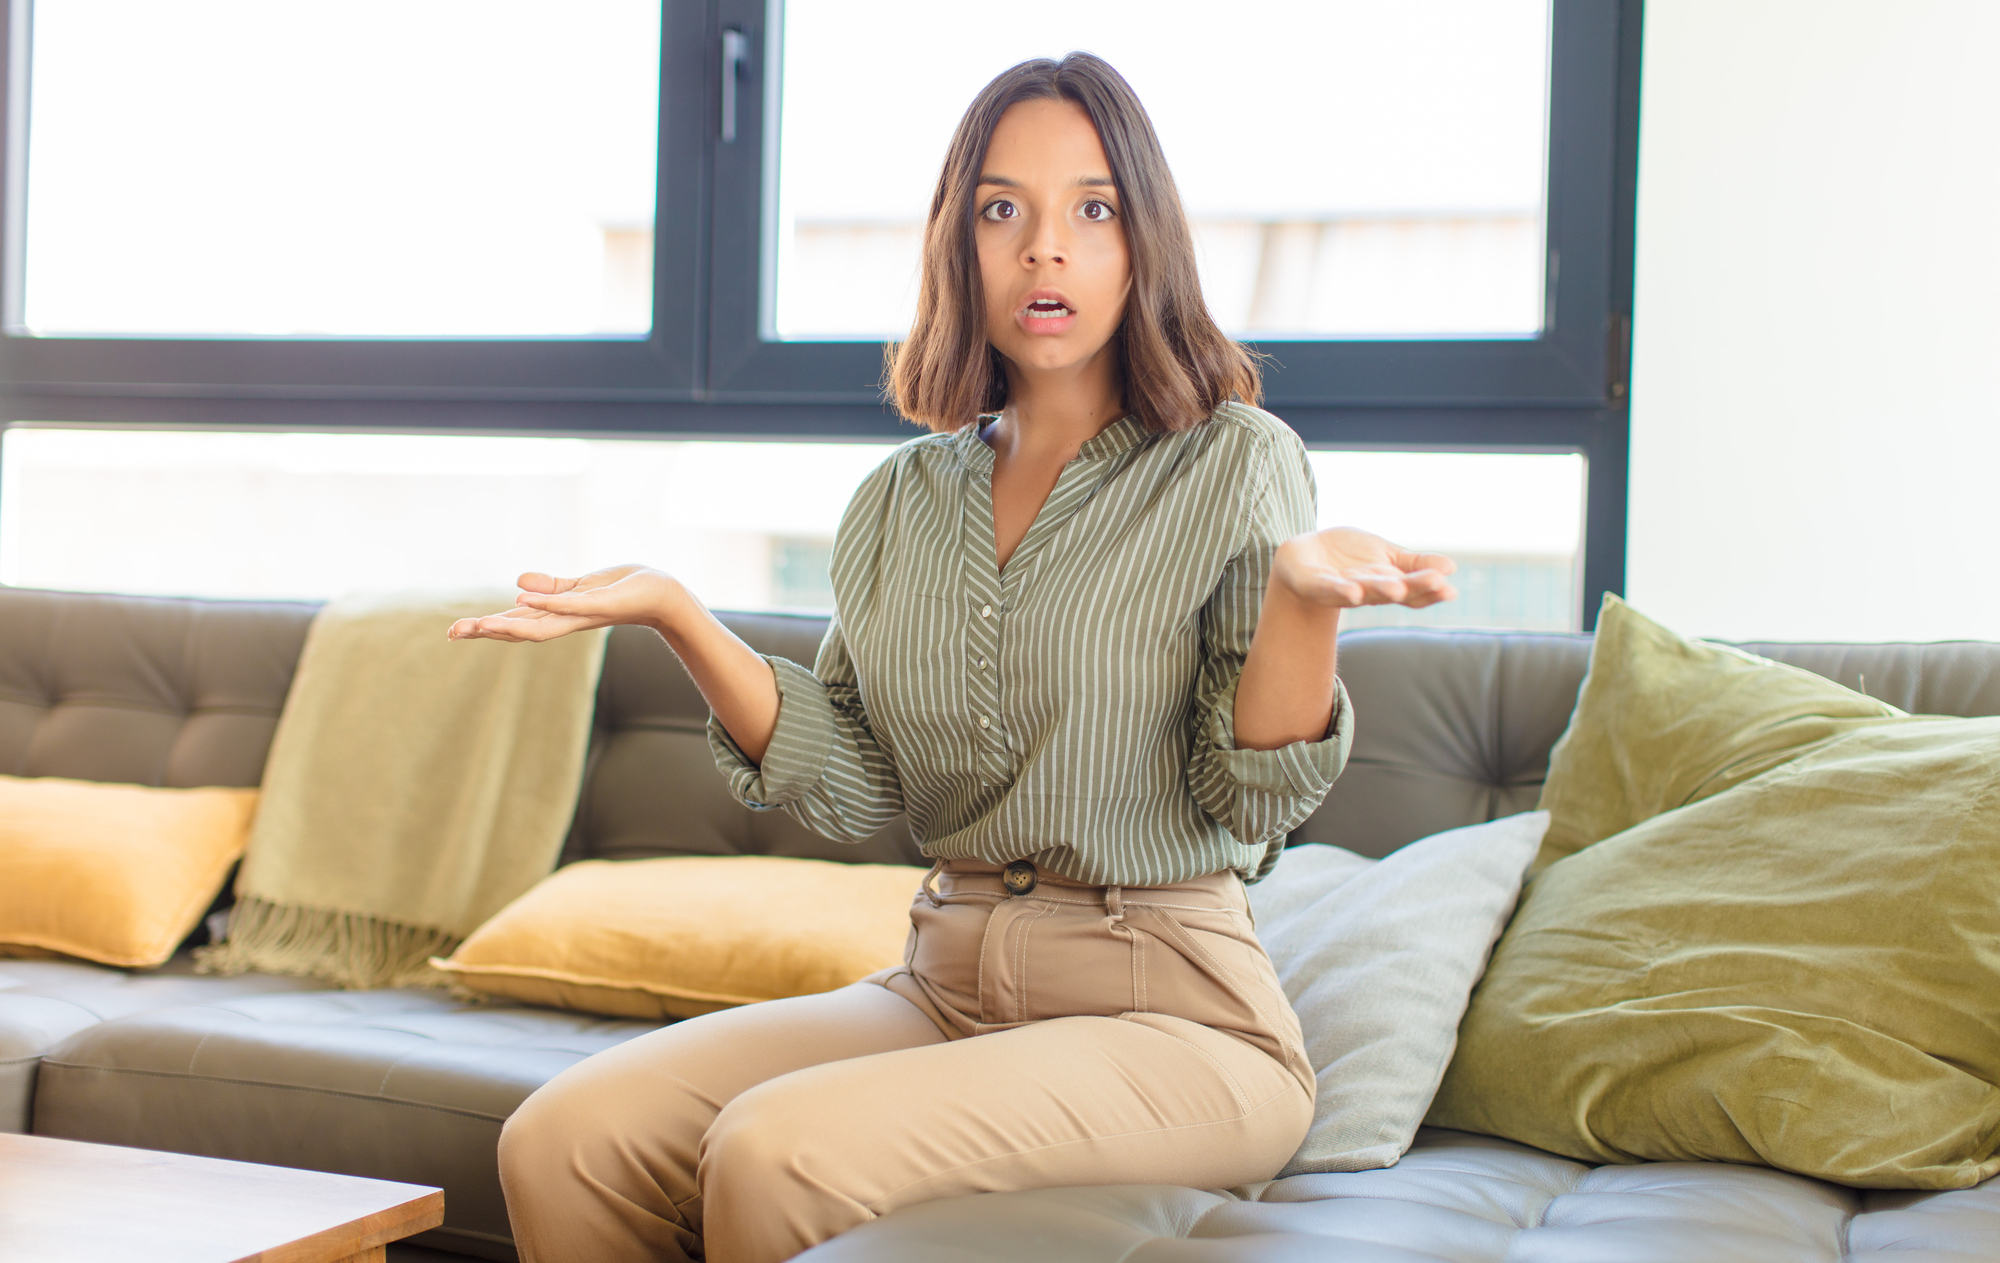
<point>983,691</point>
<point>985,616</point>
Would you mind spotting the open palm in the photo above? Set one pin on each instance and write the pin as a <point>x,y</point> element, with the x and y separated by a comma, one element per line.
<point>550,607</point>
<point>1345,567</point>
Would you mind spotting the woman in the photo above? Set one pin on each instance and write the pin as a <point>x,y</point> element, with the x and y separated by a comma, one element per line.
<point>1085,638</point>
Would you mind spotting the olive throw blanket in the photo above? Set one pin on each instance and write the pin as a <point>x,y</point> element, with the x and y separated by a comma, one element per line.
<point>415,787</point>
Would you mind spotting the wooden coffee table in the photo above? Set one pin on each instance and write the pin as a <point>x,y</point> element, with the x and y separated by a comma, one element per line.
<point>62,1201</point>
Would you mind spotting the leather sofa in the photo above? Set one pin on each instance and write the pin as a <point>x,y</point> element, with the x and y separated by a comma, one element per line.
<point>1454,728</point>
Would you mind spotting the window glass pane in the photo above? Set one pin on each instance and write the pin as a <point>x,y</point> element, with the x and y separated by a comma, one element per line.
<point>360,167</point>
<point>316,515</point>
<point>1512,521</point>
<point>1353,168</point>
<point>233,514</point>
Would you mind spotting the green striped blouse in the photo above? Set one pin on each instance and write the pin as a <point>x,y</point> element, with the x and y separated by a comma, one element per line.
<point>1076,709</point>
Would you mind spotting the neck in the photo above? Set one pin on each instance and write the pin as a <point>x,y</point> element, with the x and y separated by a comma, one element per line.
<point>1053,412</point>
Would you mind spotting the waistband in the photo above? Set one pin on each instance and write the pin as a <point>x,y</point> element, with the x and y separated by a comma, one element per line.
<point>1221,891</point>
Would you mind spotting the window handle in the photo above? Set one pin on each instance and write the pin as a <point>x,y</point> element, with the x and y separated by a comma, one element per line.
<point>735,55</point>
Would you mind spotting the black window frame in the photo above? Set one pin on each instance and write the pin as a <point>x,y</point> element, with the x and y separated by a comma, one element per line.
<point>705,370</point>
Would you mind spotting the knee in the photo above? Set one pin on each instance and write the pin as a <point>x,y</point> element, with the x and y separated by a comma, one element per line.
<point>545,1136</point>
<point>756,1137</point>
<point>787,1165</point>
<point>777,1136</point>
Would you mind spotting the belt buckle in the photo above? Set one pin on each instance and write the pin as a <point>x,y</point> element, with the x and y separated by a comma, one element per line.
<point>1018,877</point>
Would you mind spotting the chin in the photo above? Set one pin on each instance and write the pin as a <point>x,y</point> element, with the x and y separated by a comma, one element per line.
<point>1051,353</point>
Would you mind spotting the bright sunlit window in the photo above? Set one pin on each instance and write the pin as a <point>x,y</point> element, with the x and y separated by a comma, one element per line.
<point>342,167</point>
<point>1512,521</point>
<point>746,525</point>
<point>1352,168</point>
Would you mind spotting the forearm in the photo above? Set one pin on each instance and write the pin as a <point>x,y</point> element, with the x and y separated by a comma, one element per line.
<point>733,678</point>
<point>1287,689</point>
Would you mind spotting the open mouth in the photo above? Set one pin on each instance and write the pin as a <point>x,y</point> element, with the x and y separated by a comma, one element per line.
<point>1047,309</point>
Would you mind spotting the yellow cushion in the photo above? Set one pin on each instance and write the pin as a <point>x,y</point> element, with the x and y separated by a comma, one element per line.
<point>1663,721</point>
<point>681,937</point>
<point>117,874</point>
<point>1802,971</point>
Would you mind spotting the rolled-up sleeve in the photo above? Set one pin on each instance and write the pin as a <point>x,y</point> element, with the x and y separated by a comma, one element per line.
<point>824,766</point>
<point>1262,795</point>
<point>1259,795</point>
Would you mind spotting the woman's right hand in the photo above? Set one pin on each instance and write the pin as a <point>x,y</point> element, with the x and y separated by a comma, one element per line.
<point>549,607</point>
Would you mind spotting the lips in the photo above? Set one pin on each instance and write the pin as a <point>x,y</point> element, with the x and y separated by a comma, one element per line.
<point>1046,311</point>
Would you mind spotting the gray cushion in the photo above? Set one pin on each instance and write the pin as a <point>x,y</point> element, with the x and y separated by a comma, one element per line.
<point>397,1085</point>
<point>44,1002</point>
<point>143,690</point>
<point>1454,1198</point>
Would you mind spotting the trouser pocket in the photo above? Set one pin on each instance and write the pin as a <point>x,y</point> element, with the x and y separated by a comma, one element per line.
<point>1044,958</point>
<point>1206,965</point>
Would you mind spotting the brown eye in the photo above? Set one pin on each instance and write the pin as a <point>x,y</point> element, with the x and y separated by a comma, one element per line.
<point>999,211</point>
<point>1097,212</point>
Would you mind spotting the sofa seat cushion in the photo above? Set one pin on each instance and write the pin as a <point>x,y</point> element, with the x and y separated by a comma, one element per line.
<point>1454,1198</point>
<point>405,1085</point>
<point>44,1002</point>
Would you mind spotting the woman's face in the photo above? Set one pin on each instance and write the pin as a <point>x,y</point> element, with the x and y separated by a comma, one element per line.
<point>1051,240</point>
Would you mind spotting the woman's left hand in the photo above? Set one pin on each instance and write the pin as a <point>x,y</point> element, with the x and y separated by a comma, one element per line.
<point>1345,567</point>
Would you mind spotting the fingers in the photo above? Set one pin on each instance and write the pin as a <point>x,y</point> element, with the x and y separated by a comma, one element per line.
<point>1385,589</point>
<point>1352,588</point>
<point>1413,562</point>
<point>517,626</point>
<point>565,602</point>
<point>1346,590</point>
<point>1427,587</point>
<point>488,627</point>
<point>1423,579</point>
<point>547,584</point>
<point>1384,586</point>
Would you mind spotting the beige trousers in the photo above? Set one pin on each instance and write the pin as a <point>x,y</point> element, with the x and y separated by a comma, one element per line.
<point>1074,1035</point>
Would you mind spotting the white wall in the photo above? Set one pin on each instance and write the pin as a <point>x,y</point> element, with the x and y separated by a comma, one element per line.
<point>1816,373</point>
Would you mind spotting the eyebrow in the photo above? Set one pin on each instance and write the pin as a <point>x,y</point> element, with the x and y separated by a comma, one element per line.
<point>1083,182</point>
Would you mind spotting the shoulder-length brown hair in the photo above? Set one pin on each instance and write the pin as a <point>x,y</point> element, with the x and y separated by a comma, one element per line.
<point>1177,366</point>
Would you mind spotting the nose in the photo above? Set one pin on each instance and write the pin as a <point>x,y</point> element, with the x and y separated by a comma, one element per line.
<point>1046,243</point>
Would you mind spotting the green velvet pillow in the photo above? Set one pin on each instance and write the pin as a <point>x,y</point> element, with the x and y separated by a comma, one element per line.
<point>1663,721</point>
<point>1802,972</point>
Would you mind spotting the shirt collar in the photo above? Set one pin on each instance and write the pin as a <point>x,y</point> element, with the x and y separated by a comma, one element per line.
<point>1120,436</point>
<point>1126,432</point>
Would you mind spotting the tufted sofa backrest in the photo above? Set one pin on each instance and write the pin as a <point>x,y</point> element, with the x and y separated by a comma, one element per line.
<point>143,690</point>
<point>651,787</point>
<point>1452,727</point>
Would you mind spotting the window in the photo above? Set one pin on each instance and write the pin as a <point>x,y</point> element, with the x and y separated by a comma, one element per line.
<point>235,168</point>
<point>532,219</point>
<point>312,516</point>
<point>1403,195</point>
<point>1512,521</point>
<point>1549,198</point>
<point>316,515</point>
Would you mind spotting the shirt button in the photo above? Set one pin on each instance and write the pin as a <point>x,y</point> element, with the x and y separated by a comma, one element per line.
<point>983,723</point>
<point>982,664</point>
<point>986,611</point>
